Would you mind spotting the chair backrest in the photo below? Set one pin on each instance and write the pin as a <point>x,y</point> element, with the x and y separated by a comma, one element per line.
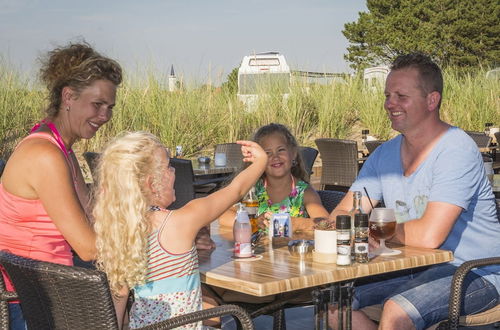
<point>330,198</point>
<point>55,296</point>
<point>372,145</point>
<point>308,155</point>
<point>234,157</point>
<point>497,137</point>
<point>2,166</point>
<point>91,158</point>
<point>482,140</point>
<point>339,161</point>
<point>183,185</point>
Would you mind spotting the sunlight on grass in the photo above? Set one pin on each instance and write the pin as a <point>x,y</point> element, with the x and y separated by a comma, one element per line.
<point>199,118</point>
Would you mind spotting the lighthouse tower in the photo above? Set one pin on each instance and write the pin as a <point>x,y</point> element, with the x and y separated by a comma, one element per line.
<point>172,80</point>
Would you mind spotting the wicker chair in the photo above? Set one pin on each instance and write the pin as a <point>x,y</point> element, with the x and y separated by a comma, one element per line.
<point>482,140</point>
<point>55,296</point>
<point>330,198</point>
<point>2,166</point>
<point>339,163</point>
<point>5,297</point>
<point>91,158</point>
<point>185,185</point>
<point>488,317</point>
<point>234,157</point>
<point>308,155</point>
<point>372,145</point>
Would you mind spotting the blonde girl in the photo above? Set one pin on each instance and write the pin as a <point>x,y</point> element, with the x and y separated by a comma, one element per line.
<point>144,246</point>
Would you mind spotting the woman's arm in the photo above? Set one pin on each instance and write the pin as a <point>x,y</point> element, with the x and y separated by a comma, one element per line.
<point>42,172</point>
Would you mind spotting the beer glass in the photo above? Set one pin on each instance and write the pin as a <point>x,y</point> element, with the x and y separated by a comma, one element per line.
<point>382,225</point>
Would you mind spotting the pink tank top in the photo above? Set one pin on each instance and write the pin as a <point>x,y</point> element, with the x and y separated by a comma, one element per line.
<point>27,230</point>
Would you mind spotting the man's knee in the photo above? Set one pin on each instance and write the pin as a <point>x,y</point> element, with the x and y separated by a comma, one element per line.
<point>395,317</point>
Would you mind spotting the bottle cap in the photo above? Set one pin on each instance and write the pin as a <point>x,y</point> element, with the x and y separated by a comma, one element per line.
<point>343,222</point>
<point>361,220</point>
<point>242,215</point>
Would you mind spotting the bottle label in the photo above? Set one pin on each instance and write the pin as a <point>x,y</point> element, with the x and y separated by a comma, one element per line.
<point>361,248</point>
<point>242,250</point>
<point>343,250</point>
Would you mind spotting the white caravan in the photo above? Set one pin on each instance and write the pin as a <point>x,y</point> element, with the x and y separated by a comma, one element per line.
<point>261,73</point>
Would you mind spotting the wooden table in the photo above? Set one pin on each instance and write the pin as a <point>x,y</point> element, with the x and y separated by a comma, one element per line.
<point>277,271</point>
<point>210,169</point>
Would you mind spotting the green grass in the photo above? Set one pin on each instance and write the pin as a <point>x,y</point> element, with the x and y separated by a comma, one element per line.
<point>199,118</point>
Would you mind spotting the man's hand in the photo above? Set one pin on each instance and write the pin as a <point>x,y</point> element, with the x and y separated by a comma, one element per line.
<point>203,240</point>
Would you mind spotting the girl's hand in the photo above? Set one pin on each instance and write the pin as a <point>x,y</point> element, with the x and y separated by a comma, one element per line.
<point>263,220</point>
<point>252,151</point>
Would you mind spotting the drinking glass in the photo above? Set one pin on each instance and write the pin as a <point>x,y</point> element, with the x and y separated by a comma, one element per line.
<point>383,226</point>
<point>220,159</point>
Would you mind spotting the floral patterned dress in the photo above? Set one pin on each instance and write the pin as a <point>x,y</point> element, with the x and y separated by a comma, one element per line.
<point>293,204</point>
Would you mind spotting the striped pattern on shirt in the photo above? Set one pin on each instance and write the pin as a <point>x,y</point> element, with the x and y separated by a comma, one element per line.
<point>163,264</point>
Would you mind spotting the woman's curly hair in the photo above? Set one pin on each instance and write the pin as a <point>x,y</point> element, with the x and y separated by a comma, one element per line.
<point>77,66</point>
<point>122,198</point>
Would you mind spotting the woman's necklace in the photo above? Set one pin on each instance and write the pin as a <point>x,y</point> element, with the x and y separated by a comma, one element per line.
<point>293,191</point>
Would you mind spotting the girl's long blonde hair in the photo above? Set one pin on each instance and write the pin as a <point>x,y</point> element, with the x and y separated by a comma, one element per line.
<point>121,201</point>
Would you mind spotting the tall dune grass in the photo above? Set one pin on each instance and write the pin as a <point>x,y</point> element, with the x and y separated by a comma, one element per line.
<point>199,118</point>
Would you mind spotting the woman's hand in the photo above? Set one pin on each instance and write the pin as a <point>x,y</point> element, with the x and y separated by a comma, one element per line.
<point>252,151</point>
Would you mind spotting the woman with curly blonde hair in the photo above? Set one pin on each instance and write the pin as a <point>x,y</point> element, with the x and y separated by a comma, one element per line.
<point>144,246</point>
<point>43,196</point>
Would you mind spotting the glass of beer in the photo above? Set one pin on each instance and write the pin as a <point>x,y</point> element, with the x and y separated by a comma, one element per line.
<point>382,225</point>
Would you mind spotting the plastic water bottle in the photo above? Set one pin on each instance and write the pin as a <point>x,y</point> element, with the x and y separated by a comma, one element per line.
<point>242,232</point>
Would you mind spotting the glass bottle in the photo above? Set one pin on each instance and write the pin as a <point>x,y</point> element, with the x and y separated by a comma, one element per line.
<point>361,238</point>
<point>356,209</point>
<point>242,233</point>
<point>364,135</point>
<point>252,207</point>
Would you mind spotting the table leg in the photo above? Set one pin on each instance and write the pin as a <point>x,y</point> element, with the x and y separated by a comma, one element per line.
<point>316,293</point>
<point>340,307</point>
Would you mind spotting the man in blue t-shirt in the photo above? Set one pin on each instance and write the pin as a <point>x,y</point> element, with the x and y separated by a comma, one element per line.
<point>433,176</point>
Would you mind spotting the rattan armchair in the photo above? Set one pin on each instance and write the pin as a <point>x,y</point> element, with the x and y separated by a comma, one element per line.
<point>91,158</point>
<point>56,296</point>
<point>185,185</point>
<point>2,166</point>
<point>308,155</point>
<point>339,163</point>
<point>482,140</point>
<point>372,145</point>
<point>330,198</point>
<point>5,297</point>
<point>488,317</point>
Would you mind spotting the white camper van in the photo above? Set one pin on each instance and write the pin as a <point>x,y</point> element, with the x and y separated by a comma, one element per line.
<point>375,76</point>
<point>262,73</point>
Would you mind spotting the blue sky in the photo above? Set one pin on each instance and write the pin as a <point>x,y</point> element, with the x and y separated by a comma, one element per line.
<point>202,39</point>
